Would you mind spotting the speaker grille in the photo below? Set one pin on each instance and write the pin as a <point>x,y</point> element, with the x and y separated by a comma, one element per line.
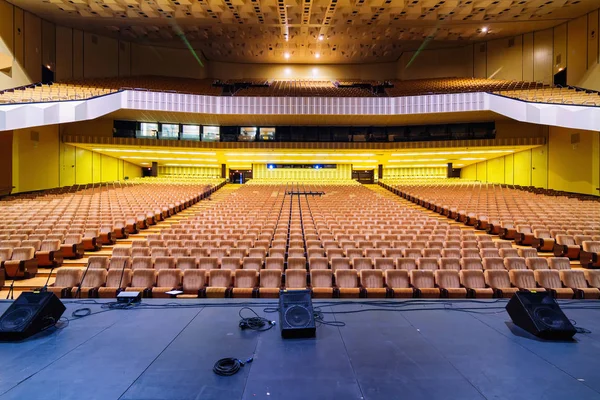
<point>16,319</point>
<point>297,317</point>
<point>551,318</point>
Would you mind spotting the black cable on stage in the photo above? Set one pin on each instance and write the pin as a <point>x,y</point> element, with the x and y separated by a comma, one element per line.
<point>256,323</point>
<point>229,366</point>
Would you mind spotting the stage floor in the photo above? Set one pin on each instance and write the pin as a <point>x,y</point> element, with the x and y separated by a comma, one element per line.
<point>418,353</point>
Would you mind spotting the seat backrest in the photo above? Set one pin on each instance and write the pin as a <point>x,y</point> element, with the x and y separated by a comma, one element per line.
<point>497,278</point>
<point>371,278</point>
<point>245,278</point>
<point>139,243</point>
<point>5,253</point>
<point>141,263</point>
<point>361,263</point>
<point>318,263</point>
<point>270,278</point>
<point>535,263</point>
<point>503,253</point>
<point>573,278</point>
<point>559,263</point>
<point>593,277</point>
<point>170,278</point>
<point>193,280</point>
<point>566,240</point>
<point>274,263</point>
<point>68,277</point>
<point>422,279</point>
<point>252,263</point>
<point>473,263</point>
<point>99,262</point>
<point>407,264</point>
<point>397,278</point>
<point>140,252</point>
<point>339,263</point>
<point>219,277</point>
<point>384,264</point>
<point>548,278</point>
<point>527,253</point>
<point>522,278</point>
<point>94,278</point>
<point>185,263</point>
<point>447,279</point>
<point>231,263</point>
<point>591,246</point>
<point>321,278</point>
<point>121,251</point>
<point>490,252</point>
<point>32,243</point>
<point>473,279</point>
<point>114,278</point>
<point>346,278</point>
<point>144,278</point>
<point>295,278</point>
<point>511,263</point>
<point>208,263</point>
<point>50,245</point>
<point>23,253</point>
<point>427,263</point>
<point>450,264</point>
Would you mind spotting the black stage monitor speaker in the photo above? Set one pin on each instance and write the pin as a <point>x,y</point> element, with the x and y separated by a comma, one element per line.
<point>539,314</point>
<point>296,318</point>
<point>29,314</point>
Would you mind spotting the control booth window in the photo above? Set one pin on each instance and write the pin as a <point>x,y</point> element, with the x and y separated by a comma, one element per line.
<point>211,134</point>
<point>190,132</point>
<point>267,134</point>
<point>170,131</point>
<point>148,130</point>
<point>247,134</point>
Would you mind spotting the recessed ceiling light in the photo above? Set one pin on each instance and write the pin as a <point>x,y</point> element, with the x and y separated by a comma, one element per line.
<point>484,29</point>
<point>317,55</point>
<point>286,55</point>
<point>321,38</point>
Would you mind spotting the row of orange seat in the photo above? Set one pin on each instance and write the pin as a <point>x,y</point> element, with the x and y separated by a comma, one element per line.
<point>565,284</point>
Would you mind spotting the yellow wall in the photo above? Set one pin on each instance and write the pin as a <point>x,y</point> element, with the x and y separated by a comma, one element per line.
<point>223,70</point>
<point>154,60</point>
<point>525,168</point>
<point>504,62</point>
<point>197,171</point>
<point>47,163</point>
<point>390,173</point>
<point>440,63</point>
<point>574,167</point>
<point>542,56</point>
<point>577,56</point>
<point>11,46</point>
<point>260,171</point>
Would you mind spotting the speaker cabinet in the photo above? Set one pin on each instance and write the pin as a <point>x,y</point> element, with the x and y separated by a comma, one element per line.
<point>29,314</point>
<point>296,318</point>
<point>539,314</point>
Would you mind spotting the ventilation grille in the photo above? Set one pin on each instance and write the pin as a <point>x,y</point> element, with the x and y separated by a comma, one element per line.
<point>34,136</point>
<point>511,42</point>
<point>575,138</point>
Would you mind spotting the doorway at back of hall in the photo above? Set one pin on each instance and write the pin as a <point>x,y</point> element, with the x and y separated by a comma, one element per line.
<point>239,176</point>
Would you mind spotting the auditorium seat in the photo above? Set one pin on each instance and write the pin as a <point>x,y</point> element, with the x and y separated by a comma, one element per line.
<point>424,283</point>
<point>550,280</point>
<point>499,280</point>
<point>407,264</point>
<point>270,283</point>
<point>296,263</point>
<point>565,246</point>
<point>295,279</point>
<point>193,284</point>
<point>322,283</point>
<point>339,263</point>
<point>450,264</point>
<point>590,254</point>
<point>219,283</point>
<point>252,263</point>
<point>49,254</point>
<point>101,262</point>
<point>231,263</point>
<point>317,263</point>
<point>524,279</point>
<point>536,263</point>
<point>449,283</point>
<point>116,281</point>
<point>22,263</point>
<point>398,282</point>
<point>274,263</point>
<point>185,263</point>
<point>526,253</point>
<point>142,263</point>
<point>115,263</point>
<point>474,282</point>
<point>362,263</point>
<point>347,283</point>
<point>208,263</point>
<point>121,251</point>
<point>511,263</point>
<point>66,279</point>
<point>559,263</point>
<point>140,252</point>
<point>245,283</point>
<point>505,253</point>
<point>575,279</point>
<point>593,278</point>
<point>72,246</point>
<point>167,280</point>
<point>372,283</point>
<point>476,263</point>
<point>142,280</point>
<point>384,264</point>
